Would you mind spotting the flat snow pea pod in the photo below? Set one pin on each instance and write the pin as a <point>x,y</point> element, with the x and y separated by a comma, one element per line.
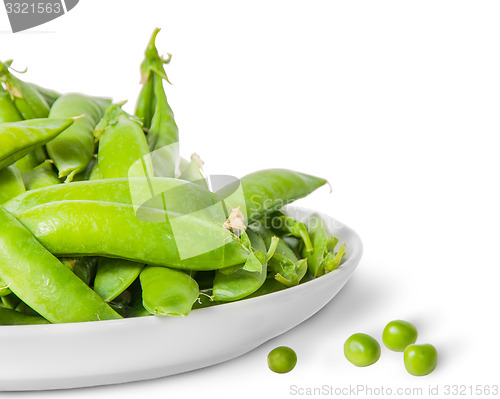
<point>19,138</point>
<point>9,317</point>
<point>11,183</point>
<point>168,292</point>
<point>114,276</point>
<point>73,150</point>
<point>77,228</point>
<point>41,281</point>
<point>163,135</point>
<point>268,190</point>
<point>83,267</point>
<point>241,283</point>
<point>28,100</point>
<point>8,111</point>
<point>41,176</point>
<point>48,94</point>
<point>121,145</point>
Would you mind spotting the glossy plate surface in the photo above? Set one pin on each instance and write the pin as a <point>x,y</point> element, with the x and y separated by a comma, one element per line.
<point>65,355</point>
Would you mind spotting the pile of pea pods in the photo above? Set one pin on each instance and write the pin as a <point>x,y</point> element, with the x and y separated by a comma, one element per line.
<point>100,217</point>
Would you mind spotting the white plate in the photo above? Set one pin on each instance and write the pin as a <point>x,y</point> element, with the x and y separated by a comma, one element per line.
<point>109,352</point>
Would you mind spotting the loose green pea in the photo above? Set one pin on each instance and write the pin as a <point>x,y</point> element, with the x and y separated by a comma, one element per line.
<point>398,334</point>
<point>282,359</point>
<point>420,359</point>
<point>361,350</point>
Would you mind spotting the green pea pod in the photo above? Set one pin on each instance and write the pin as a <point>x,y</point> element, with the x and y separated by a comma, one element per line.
<point>163,130</point>
<point>76,228</point>
<point>145,103</point>
<point>114,276</point>
<point>241,283</point>
<point>83,267</point>
<point>41,281</point>
<point>121,145</point>
<point>183,196</point>
<point>151,66</point>
<point>10,317</point>
<point>288,225</point>
<point>11,183</point>
<point>19,138</point>
<point>27,99</point>
<point>73,150</point>
<point>41,176</point>
<point>8,111</point>
<point>156,114</point>
<point>268,190</point>
<point>49,95</point>
<point>163,135</point>
<point>168,292</point>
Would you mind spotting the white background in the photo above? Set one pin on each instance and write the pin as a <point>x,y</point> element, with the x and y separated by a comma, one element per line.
<point>395,102</point>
